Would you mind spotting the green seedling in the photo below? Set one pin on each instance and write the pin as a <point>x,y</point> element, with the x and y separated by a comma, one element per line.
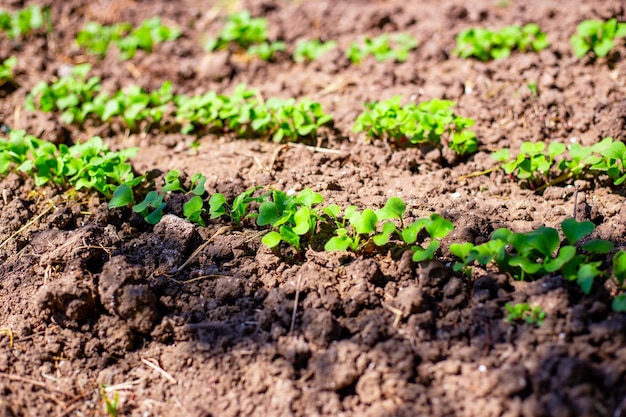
<point>539,168</point>
<point>597,36</point>
<point>534,91</point>
<point>539,252</point>
<point>357,228</point>
<point>532,163</point>
<point>524,312</point>
<point>150,33</point>
<point>110,405</point>
<point>96,38</point>
<point>23,22</point>
<point>238,210</point>
<point>152,206</point>
<point>429,123</point>
<point>290,216</point>
<point>6,70</point>
<point>486,44</point>
<point>240,29</point>
<point>67,94</point>
<point>266,50</point>
<point>88,165</point>
<point>383,48</point>
<point>619,273</point>
<point>310,50</point>
<point>245,114</point>
<point>436,227</point>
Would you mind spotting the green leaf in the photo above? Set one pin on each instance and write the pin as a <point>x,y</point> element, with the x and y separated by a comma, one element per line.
<point>575,231</point>
<point>156,215</point>
<point>439,227</point>
<point>338,243</point>
<point>122,196</point>
<point>420,254</point>
<point>217,205</point>
<point>394,209</point>
<point>619,303</point>
<point>364,223</point>
<point>566,254</point>
<point>586,274</point>
<point>192,210</point>
<point>598,246</point>
<point>271,239</point>
<point>302,219</point>
<point>268,214</point>
<point>383,238</point>
<point>619,266</point>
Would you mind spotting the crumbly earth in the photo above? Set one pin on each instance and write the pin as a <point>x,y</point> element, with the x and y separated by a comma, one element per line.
<point>88,297</point>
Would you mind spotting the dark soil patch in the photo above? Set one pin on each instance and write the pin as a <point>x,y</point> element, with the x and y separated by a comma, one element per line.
<point>89,297</point>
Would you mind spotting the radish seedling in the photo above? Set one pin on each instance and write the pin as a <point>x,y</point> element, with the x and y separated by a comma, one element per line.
<point>597,36</point>
<point>310,50</point>
<point>486,44</point>
<point>96,38</point>
<point>23,22</point>
<point>426,123</point>
<point>524,312</point>
<point>6,70</point>
<point>539,252</point>
<point>383,48</point>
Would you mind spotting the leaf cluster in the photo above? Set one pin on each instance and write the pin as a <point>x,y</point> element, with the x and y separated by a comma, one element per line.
<point>24,21</point>
<point>310,50</point>
<point>355,230</point>
<point>539,252</point>
<point>597,36</point>
<point>524,312</point>
<point>247,33</point>
<point>486,44</point>
<point>539,167</point>
<point>97,38</point>
<point>68,94</point>
<point>6,70</point>
<point>243,112</point>
<point>153,204</point>
<point>383,48</point>
<point>425,123</point>
<point>89,165</point>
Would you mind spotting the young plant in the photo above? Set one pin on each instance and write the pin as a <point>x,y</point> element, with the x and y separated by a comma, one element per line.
<point>356,229</point>
<point>152,206</point>
<point>266,50</point>
<point>539,252</point>
<point>310,50</point>
<point>67,94</point>
<point>88,165</point>
<point>426,123</point>
<point>486,44</point>
<point>533,163</point>
<point>539,168</point>
<point>23,22</point>
<point>6,70</point>
<point>238,210</point>
<point>524,312</point>
<point>619,273</point>
<point>290,216</point>
<point>240,29</point>
<point>96,38</point>
<point>383,48</point>
<point>597,36</point>
<point>151,32</point>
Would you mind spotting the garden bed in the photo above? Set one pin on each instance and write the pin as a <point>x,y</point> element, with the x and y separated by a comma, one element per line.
<point>175,318</point>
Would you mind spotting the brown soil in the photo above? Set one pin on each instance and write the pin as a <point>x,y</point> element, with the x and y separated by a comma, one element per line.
<point>85,293</point>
